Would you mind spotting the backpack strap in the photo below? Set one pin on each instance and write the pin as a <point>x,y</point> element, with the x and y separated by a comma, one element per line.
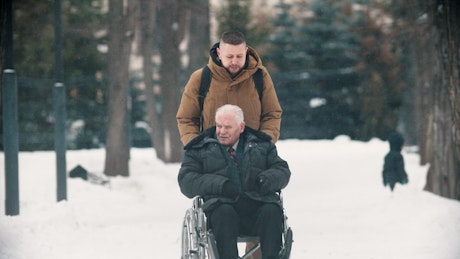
<point>259,82</point>
<point>204,85</point>
<point>203,90</point>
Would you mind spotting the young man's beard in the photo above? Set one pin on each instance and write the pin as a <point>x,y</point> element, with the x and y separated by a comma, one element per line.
<point>234,74</point>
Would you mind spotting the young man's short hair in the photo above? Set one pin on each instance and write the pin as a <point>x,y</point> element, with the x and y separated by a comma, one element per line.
<point>233,38</point>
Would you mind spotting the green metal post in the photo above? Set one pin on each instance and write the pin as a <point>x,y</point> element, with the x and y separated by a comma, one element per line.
<point>10,141</point>
<point>59,140</point>
<point>10,120</point>
<point>59,109</point>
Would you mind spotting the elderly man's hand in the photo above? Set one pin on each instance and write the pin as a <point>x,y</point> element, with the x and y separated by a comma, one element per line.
<point>263,184</point>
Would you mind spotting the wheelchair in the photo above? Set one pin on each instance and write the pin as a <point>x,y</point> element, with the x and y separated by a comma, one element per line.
<point>198,242</point>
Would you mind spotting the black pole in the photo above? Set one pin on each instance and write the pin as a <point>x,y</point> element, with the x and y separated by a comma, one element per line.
<point>10,120</point>
<point>59,109</point>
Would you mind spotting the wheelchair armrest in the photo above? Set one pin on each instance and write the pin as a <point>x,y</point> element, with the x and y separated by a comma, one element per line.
<point>280,194</point>
<point>198,202</point>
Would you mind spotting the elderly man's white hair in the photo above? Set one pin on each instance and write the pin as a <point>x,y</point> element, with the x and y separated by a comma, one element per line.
<point>232,109</point>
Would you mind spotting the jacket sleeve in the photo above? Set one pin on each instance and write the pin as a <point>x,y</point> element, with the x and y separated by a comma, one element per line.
<point>193,181</point>
<point>188,113</point>
<point>277,172</point>
<point>270,120</point>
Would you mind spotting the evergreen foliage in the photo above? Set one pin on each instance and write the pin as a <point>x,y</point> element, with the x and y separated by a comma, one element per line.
<point>236,15</point>
<point>329,80</point>
<point>84,60</point>
<point>34,53</point>
<point>337,69</point>
<point>382,86</point>
<point>317,69</point>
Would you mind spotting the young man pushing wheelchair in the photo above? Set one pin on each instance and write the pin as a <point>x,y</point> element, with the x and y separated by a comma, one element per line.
<point>238,173</point>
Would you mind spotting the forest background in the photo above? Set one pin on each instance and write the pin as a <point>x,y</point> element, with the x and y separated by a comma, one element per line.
<point>360,68</point>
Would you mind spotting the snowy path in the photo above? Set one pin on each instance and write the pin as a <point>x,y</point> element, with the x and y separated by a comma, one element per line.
<point>335,201</point>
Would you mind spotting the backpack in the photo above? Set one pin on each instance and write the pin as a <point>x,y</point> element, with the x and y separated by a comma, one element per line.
<point>206,82</point>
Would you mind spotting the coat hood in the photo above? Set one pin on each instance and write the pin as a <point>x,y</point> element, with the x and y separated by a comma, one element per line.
<point>396,141</point>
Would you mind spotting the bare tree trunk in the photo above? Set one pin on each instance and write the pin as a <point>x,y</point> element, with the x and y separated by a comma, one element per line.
<point>147,14</point>
<point>451,64</point>
<point>438,79</point>
<point>171,21</point>
<point>199,40</point>
<point>425,53</point>
<point>120,39</point>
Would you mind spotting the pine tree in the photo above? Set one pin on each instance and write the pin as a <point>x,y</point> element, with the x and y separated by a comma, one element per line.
<point>237,15</point>
<point>381,88</point>
<point>315,61</point>
<point>331,49</point>
<point>290,77</point>
<point>34,59</point>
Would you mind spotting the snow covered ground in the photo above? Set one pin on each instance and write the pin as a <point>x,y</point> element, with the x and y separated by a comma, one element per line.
<point>335,201</point>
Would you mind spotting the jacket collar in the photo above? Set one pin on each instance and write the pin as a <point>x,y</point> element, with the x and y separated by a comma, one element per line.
<point>209,135</point>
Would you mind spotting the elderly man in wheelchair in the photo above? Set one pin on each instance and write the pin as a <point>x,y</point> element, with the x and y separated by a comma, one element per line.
<point>235,175</point>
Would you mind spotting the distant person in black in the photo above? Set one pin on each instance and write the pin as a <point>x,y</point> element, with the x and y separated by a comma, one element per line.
<point>393,167</point>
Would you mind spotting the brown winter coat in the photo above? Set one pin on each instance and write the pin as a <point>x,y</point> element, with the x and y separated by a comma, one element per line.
<point>264,115</point>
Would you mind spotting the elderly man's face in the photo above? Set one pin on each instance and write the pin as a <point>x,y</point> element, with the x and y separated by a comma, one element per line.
<point>228,130</point>
<point>233,57</point>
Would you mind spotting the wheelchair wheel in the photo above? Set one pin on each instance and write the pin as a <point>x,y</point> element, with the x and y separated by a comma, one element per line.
<point>285,252</point>
<point>189,236</point>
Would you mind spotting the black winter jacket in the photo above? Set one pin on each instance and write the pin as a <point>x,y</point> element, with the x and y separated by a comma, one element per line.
<point>393,167</point>
<point>204,169</point>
